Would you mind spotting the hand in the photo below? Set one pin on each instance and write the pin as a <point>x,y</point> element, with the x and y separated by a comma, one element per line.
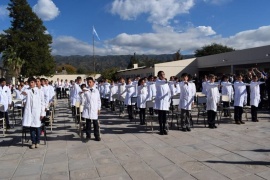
<point>98,112</point>
<point>24,93</point>
<point>9,106</point>
<point>192,105</point>
<point>41,117</point>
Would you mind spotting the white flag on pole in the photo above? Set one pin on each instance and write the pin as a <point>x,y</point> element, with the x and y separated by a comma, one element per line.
<point>95,32</point>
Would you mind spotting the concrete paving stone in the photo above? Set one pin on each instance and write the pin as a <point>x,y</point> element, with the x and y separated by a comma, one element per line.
<point>75,164</point>
<point>54,168</point>
<point>55,176</point>
<point>16,150</point>
<point>94,147</point>
<point>110,170</point>
<point>123,176</point>
<point>8,157</point>
<point>28,170</point>
<point>216,151</point>
<point>121,150</point>
<point>171,172</point>
<point>175,155</point>
<point>265,174</point>
<point>32,177</point>
<point>193,166</point>
<point>31,161</point>
<point>255,156</point>
<point>250,177</point>
<point>102,153</point>
<point>136,166</point>
<point>7,173</point>
<point>105,160</point>
<point>54,158</point>
<point>34,154</point>
<point>209,175</point>
<point>88,173</point>
<point>128,158</point>
<point>9,164</point>
<point>157,161</point>
<point>144,174</point>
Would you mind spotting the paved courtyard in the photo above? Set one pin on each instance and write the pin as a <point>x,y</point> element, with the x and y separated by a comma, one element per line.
<point>130,151</point>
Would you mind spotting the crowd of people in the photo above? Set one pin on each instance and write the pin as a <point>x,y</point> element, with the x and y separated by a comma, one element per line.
<point>38,96</point>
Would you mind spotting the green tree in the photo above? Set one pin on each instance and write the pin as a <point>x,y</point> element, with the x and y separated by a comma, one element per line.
<point>109,73</point>
<point>12,61</point>
<point>178,55</point>
<point>212,49</point>
<point>29,36</point>
<point>69,68</point>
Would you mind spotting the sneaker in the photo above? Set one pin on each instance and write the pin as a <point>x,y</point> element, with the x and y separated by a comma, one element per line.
<point>33,146</point>
<point>257,120</point>
<point>37,146</point>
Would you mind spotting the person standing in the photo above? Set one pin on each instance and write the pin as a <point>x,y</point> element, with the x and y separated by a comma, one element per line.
<point>5,100</point>
<point>91,108</point>
<point>130,92</point>
<point>75,97</point>
<point>186,101</point>
<point>141,99</point>
<point>240,98</point>
<point>212,100</point>
<point>226,89</point>
<point>113,91</point>
<point>34,110</point>
<point>151,89</point>
<point>162,102</point>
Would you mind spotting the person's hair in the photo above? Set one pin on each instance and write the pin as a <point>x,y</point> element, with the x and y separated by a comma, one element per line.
<point>19,85</point>
<point>238,75</point>
<point>38,79</point>
<point>150,77</point>
<point>225,77</point>
<point>210,76</point>
<point>159,73</point>
<point>140,81</point>
<point>42,79</point>
<point>184,75</point>
<point>254,76</point>
<point>90,79</point>
<point>79,78</point>
<point>129,78</point>
<point>2,79</point>
<point>83,86</point>
<point>190,77</point>
<point>31,79</point>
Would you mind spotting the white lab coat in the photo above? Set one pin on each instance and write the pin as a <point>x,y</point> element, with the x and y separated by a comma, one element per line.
<point>46,93</point>
<point>19,95</point>
<point>172,87</point>
<point>227,89</point>
<point>212,96</point>
<point>106,90</point>
<point>142,96</point>
<point>34,108</point>
<point>162,100</point>
<point>255,97</point>
<point>51,93</point>
<point>135,84</point>
<point>5,97</point>
<point>121,91</point>
<point>186,96</point>
<point>91,104</point>
<point>113,91</point>
<point>240,93</point>
<point>130,92</point>
<point>76,94</point>
<point>151,89</point>
<point>204,89</point>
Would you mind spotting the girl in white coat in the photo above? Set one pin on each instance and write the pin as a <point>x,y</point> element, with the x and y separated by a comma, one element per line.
<point>240,98</point>
<point>254,97</point>
<point>34,111</point>
<point>162,101</point>
<point>212,99</point>
<point>5,100</point>
<point>121,93</point>
<point>186,101</point>
<point>151,89</point>
<point>141,99</point>
<point>91,108</point>
<point>113,91</point>
<point>227,90</point>
<point>130,92</point>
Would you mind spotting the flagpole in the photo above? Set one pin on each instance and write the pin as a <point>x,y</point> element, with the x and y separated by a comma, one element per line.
<point>94,51</point>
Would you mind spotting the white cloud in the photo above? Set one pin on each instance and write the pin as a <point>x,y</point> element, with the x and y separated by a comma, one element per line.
<point>217,2</point>
<point>159,12</point>
<point>3,11</point>
<point>163,42</point>
<point>46,10</point>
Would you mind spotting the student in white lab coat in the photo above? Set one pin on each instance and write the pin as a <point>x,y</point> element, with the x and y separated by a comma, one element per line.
<point>113,91</point>
<point>130,92</point>
<point>226,89</point>
<point>106,93</point>
<point>6,100</point>
<point>213,99</point>
<point>59,85</point>
<point>34,110</point>
<point>204,83</point>
<point>141,99</point>
<point>76,94</point>
<point>186,101</point>
<point>121,93</point>
<point>91,108</point>
<point>151,89</point>
<point>135,83</point>
<point>240,98</point>
<point>162,102</point>
<point>255,97</point>
<point>18,93</point>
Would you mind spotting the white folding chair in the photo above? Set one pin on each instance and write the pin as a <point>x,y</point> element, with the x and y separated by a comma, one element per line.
<point>3,120</point>
<point>81,121</point>
<point>151,104</point>
<point>201,107</point>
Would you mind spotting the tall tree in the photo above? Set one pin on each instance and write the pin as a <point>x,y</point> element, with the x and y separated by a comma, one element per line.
<point>178,55</point>
<point>212,49</point>
<point>28,37</point>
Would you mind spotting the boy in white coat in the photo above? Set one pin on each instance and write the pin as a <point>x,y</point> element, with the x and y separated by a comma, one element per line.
<point>212,97</point>
<point>151,89</point>
<point>240,98</point>
<point>113,92</point>
<point>227,90</point>
<point>34,111</point>
<point>186,101</point>
<point>5,99</point>
<point>141,99</point>
<point>91,108</point>
<point>254,97</point>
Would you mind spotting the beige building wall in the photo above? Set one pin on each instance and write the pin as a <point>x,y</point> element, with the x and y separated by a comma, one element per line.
<point>71,76</point>
<point>142,72</point>
<point>176,68</point>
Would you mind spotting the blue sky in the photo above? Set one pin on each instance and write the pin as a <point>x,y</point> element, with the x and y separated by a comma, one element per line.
<point>150,26</point>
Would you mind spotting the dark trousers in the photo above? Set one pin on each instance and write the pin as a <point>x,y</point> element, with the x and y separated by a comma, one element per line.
<point>5,114</point>
<point>35,135</point>
<point>238,111</point>
<point>185,118</point>
<point>254,111</point>
<point>151,111</point>
<point>226,111</point>
<point>142,115</point>
<point>162,118</point>
<point>211,117</point>
<point>58,93</point>
<point>112,106</point>
<point>268,93</point>
<point>129,109</point>
<point>89,129</point>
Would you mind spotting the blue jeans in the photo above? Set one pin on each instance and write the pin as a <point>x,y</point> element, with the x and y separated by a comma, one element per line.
<point>35,135</point>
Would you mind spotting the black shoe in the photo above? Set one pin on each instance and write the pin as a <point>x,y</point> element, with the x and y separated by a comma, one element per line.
<point>161,133</point>
<point>87,139</point>
<point>214,126</point>
<point>165,132</point>
<point>184,129</point>
<point>188,129</point>
<point>237,122</point>
<point>97,139</point>
<point>210,126</point>
<point>242,122</point>
<point>8,127</point>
